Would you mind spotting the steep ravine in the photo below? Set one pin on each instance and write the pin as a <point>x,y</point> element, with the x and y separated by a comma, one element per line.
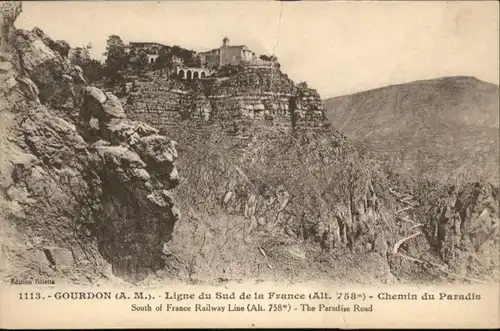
<point>308,207</point>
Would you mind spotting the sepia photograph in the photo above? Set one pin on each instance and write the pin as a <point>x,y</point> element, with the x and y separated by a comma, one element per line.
<point>154,143</point>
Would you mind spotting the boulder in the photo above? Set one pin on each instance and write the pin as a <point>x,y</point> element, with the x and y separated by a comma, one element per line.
<point>112,108</point>
<point>95,94</point>
<point>100,105</point>
<point>126,131</point>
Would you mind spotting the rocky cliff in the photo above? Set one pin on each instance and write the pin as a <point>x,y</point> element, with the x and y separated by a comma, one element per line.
<point>263,96</point>
<point>85,191</point>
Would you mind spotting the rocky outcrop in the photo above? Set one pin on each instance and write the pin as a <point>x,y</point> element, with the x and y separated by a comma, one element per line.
<point>9,61</point>
<point>262,96</point>
<point>85,189</point>
<point>9,10</point>
<point>463,228</point>
<point>113,194</point>
<point>59,46</point>
<point>45,62</point>
<point>317,196</point>
<point>307,109</point>
<point>136,168</point>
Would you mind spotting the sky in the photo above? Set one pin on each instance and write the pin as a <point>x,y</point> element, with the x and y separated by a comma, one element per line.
<point>337,47</point>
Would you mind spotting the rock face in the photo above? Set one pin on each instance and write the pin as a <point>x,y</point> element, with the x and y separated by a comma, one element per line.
<point>9,10</point>
<point>136,169</point>
<point>115,194</point>
<point>317,194</point>
<point>262,96</point>
<point>79,197</point>
<point>46,63</point>
<point>464,230</point>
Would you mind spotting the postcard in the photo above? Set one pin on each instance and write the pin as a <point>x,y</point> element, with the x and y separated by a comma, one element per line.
<point>182,164</point>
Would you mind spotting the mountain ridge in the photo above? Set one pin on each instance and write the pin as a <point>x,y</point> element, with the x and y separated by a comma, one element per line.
<point>448,118</point>
<point>381,87</point>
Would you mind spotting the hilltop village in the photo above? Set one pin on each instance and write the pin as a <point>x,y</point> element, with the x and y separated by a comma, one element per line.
<point>189,64</point>
<point>164,85</point>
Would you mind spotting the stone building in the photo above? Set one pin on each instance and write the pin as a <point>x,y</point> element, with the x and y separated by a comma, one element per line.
<point>226,54</point>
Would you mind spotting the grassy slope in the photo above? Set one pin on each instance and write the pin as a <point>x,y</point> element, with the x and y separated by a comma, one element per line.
<point>436,127</point>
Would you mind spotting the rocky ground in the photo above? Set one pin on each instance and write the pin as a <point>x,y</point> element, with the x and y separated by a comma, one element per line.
<point>300,208</point>
<point>89,195</point>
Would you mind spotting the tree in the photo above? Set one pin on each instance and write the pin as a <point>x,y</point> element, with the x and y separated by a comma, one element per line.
<point>79,55</point>
<point>302,85</point>
<point>116,58</point>
<point>193,61</point>
<point>92,69</point>
<point>163,60</point>
<point>271,58</point>
<point>188,57</point>
<point>139,60</point>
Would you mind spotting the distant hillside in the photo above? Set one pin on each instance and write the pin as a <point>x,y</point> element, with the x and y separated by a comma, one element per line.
<point>436,128</point>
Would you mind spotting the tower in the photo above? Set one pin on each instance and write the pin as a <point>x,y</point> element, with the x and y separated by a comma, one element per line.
<point>225,42</point>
